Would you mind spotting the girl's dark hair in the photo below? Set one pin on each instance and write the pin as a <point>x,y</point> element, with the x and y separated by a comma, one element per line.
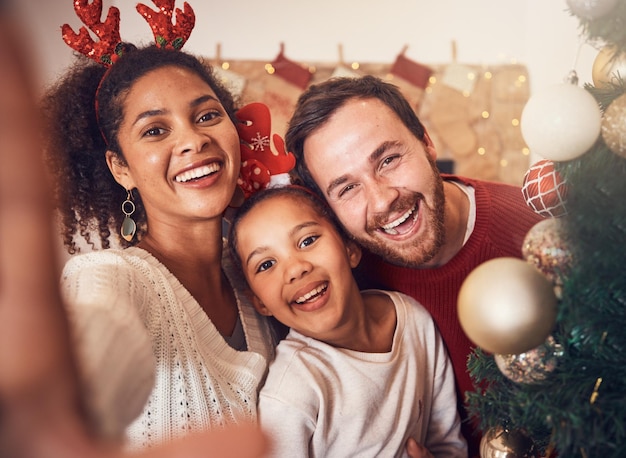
<point>88,197</point>
<point>299,193</point>
<point>320,101</point>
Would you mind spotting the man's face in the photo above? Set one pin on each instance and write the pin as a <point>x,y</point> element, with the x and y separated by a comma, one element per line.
<point>381,181</point>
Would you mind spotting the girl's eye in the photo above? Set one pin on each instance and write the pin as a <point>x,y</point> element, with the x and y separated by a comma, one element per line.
<point>265,265</point>
<point>308,241</point>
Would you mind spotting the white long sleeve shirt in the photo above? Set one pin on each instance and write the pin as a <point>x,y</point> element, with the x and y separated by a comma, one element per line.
<point>323,401</point>
<point>148,354</point>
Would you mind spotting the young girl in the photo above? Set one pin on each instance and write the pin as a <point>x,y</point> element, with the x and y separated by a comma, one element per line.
<point>166,343</point>
<point>360,372</point>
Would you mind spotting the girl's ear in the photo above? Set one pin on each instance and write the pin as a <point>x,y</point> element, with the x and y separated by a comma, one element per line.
<point>119,170</point>
<point>354,253</point>
<point>258,305</point>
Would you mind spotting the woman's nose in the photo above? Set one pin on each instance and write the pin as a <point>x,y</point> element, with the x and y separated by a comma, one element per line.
<point>191,140</point>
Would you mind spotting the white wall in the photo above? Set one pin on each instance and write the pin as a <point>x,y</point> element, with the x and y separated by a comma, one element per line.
<point>538,33</point>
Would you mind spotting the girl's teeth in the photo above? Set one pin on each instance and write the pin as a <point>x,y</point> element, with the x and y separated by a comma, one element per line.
<point>311,294</point>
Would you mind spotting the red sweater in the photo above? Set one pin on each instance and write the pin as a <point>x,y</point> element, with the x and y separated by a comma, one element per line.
<point>502,220</point>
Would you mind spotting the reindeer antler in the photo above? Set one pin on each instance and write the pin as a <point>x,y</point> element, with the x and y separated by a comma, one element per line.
<point>105,50</point>
<point>166,33</point>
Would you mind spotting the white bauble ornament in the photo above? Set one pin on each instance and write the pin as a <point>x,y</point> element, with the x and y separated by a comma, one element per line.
<point>561,122</point>
<point>591,9</point>
<point>507,306</point>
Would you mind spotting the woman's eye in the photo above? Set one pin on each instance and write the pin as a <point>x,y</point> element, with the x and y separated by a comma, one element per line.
<point>211,115</point>
<point>153,131</point>
<point>308,241</point>
<point>265,265</point>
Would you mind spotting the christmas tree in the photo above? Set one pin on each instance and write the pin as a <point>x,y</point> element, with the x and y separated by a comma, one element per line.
<point>566,397</point>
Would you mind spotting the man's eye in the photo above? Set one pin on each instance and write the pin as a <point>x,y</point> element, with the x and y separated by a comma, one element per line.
<point>346,190</point>
<point>265,265</point>
<point>308,241</point>
<point>388,160</point>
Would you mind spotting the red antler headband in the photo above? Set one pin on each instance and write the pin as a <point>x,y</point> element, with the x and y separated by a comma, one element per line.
<point>107,49</point>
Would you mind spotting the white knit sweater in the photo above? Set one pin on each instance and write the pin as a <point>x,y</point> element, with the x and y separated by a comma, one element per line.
<point>147,352</point>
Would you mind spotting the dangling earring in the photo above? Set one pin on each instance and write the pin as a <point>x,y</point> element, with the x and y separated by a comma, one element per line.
<point>128,225</point>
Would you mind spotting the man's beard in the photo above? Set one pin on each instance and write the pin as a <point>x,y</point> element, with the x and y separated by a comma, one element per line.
<point>419,251</point>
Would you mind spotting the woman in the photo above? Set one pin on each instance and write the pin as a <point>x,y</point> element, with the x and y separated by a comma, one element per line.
<point>161,326</point>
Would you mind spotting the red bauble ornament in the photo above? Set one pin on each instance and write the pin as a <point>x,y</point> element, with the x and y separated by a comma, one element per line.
<point>544,190</point>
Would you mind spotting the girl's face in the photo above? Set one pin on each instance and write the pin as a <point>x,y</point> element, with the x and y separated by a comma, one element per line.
<point>180,146</point>
<point>298,266</point>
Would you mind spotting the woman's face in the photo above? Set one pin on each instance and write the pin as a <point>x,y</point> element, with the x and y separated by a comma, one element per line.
<point>180,146</point>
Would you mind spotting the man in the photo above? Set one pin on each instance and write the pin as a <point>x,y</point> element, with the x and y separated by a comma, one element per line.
<point>359,144</point>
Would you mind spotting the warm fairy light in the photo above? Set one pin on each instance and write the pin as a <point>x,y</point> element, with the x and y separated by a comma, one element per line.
<point>481,151</point>
<point>471,76</point>
<point>485,114</point>
<point>355,65</point>
<point>225,65</point>
<point>521,78</point>
<point>504,163</point>
<point>515,122</point>
<point>488,75</point>
<point>525,151</point>
<point>432,80</point>
<point>269,68</point>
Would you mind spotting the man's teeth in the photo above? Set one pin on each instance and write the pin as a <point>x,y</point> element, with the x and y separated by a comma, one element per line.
<point>197,172</point>
<point>390,228</point>
<point>317,291</point>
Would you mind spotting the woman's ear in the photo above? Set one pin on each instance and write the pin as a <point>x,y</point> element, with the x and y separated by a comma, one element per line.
<point>119,170</point>
<point>258,305</point>
<point>354,253</point>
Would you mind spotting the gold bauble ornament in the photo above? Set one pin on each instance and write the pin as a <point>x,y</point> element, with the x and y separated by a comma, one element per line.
<point>608,64</point>
<point>501,443</point>
<point>506,306</point>
<point>613,126</point>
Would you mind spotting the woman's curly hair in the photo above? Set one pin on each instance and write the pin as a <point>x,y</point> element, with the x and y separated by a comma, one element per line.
<point>88,197</point>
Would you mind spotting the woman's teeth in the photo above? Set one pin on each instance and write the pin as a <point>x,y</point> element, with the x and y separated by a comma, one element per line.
<point>198,172</point>
<point>308,296</point>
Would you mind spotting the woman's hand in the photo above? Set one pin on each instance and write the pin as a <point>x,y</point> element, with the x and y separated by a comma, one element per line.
<point>40,399</point>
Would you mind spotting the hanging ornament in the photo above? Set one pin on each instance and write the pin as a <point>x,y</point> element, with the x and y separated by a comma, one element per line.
<point>506,306</point>
<point>547,247</point>
<point>561,122</point>
<point>533,365</point>
<point>591,9</point>
<point>501,443</point>
<point>544,190</point>
<point>614,126</point>
<point>609,67</point>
